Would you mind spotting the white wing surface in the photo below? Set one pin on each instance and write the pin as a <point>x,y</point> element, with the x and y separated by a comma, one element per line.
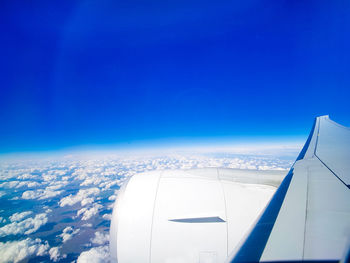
<point>308,218</point>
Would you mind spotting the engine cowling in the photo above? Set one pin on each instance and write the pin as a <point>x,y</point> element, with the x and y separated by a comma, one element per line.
<point>186,216</point>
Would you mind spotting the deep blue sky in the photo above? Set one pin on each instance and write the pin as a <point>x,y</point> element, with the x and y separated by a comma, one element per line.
<point>109,72</point>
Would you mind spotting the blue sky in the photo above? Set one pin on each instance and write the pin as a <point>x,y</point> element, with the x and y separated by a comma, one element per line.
<point>120,72</point>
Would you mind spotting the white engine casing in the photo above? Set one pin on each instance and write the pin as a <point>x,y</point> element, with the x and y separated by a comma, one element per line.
<point>187,216</point>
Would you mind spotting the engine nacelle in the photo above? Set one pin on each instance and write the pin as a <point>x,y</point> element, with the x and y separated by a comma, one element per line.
<point>187,216</point>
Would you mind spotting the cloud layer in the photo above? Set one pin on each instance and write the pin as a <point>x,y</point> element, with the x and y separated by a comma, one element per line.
<point>17,251</point>
<point>54,205</point>
<point>27,226</point>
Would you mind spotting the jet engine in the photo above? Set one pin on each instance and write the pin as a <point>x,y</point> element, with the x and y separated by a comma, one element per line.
<point>187,216</point>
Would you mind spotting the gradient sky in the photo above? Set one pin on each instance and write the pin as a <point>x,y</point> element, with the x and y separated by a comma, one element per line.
<point>109,72</point>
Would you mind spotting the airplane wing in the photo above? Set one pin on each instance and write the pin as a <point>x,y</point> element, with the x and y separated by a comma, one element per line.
<point>308,218</point>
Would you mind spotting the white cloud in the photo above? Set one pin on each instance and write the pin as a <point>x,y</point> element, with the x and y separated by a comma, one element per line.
<point>40,194</point>
<point>100,238</point>
<point>107,216</point>
<point>89,212</point>
<point>93,180</point>
<point>95,255</point>
<point>87,201</point>
<point>27,226</point>
<point>82,196</point>
<point>112,197</point>
<point>19,184</point>
<point>2,193</point>
<point>10,184</point>
<point>27,176</point>
<point>17,251</point>
<point>28,184</point>
<point>108,184</point>
<point>68,233</point>
<point>20,216</point>
<point>55,254</point>
<point>32,184</point>
<point>55,185</point>
<point>48,210</point>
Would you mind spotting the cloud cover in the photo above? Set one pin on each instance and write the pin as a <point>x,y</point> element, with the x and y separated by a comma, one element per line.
<point>81,191</point>
<point>27,226</point>
<point>95,255</point>
<point>16,251</point>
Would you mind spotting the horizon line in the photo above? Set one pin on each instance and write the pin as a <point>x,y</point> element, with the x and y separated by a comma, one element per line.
<point>161,146</point>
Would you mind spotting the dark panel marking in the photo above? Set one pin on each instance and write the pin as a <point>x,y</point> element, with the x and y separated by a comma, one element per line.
<point>348,186</point>
<point>315,150</point>
<point>213,219</point>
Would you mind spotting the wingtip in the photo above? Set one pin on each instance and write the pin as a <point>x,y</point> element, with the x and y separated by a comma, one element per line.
<point>322,117</point>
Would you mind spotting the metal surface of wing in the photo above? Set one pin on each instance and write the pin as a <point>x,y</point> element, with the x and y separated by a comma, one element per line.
<point>308,218</point>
